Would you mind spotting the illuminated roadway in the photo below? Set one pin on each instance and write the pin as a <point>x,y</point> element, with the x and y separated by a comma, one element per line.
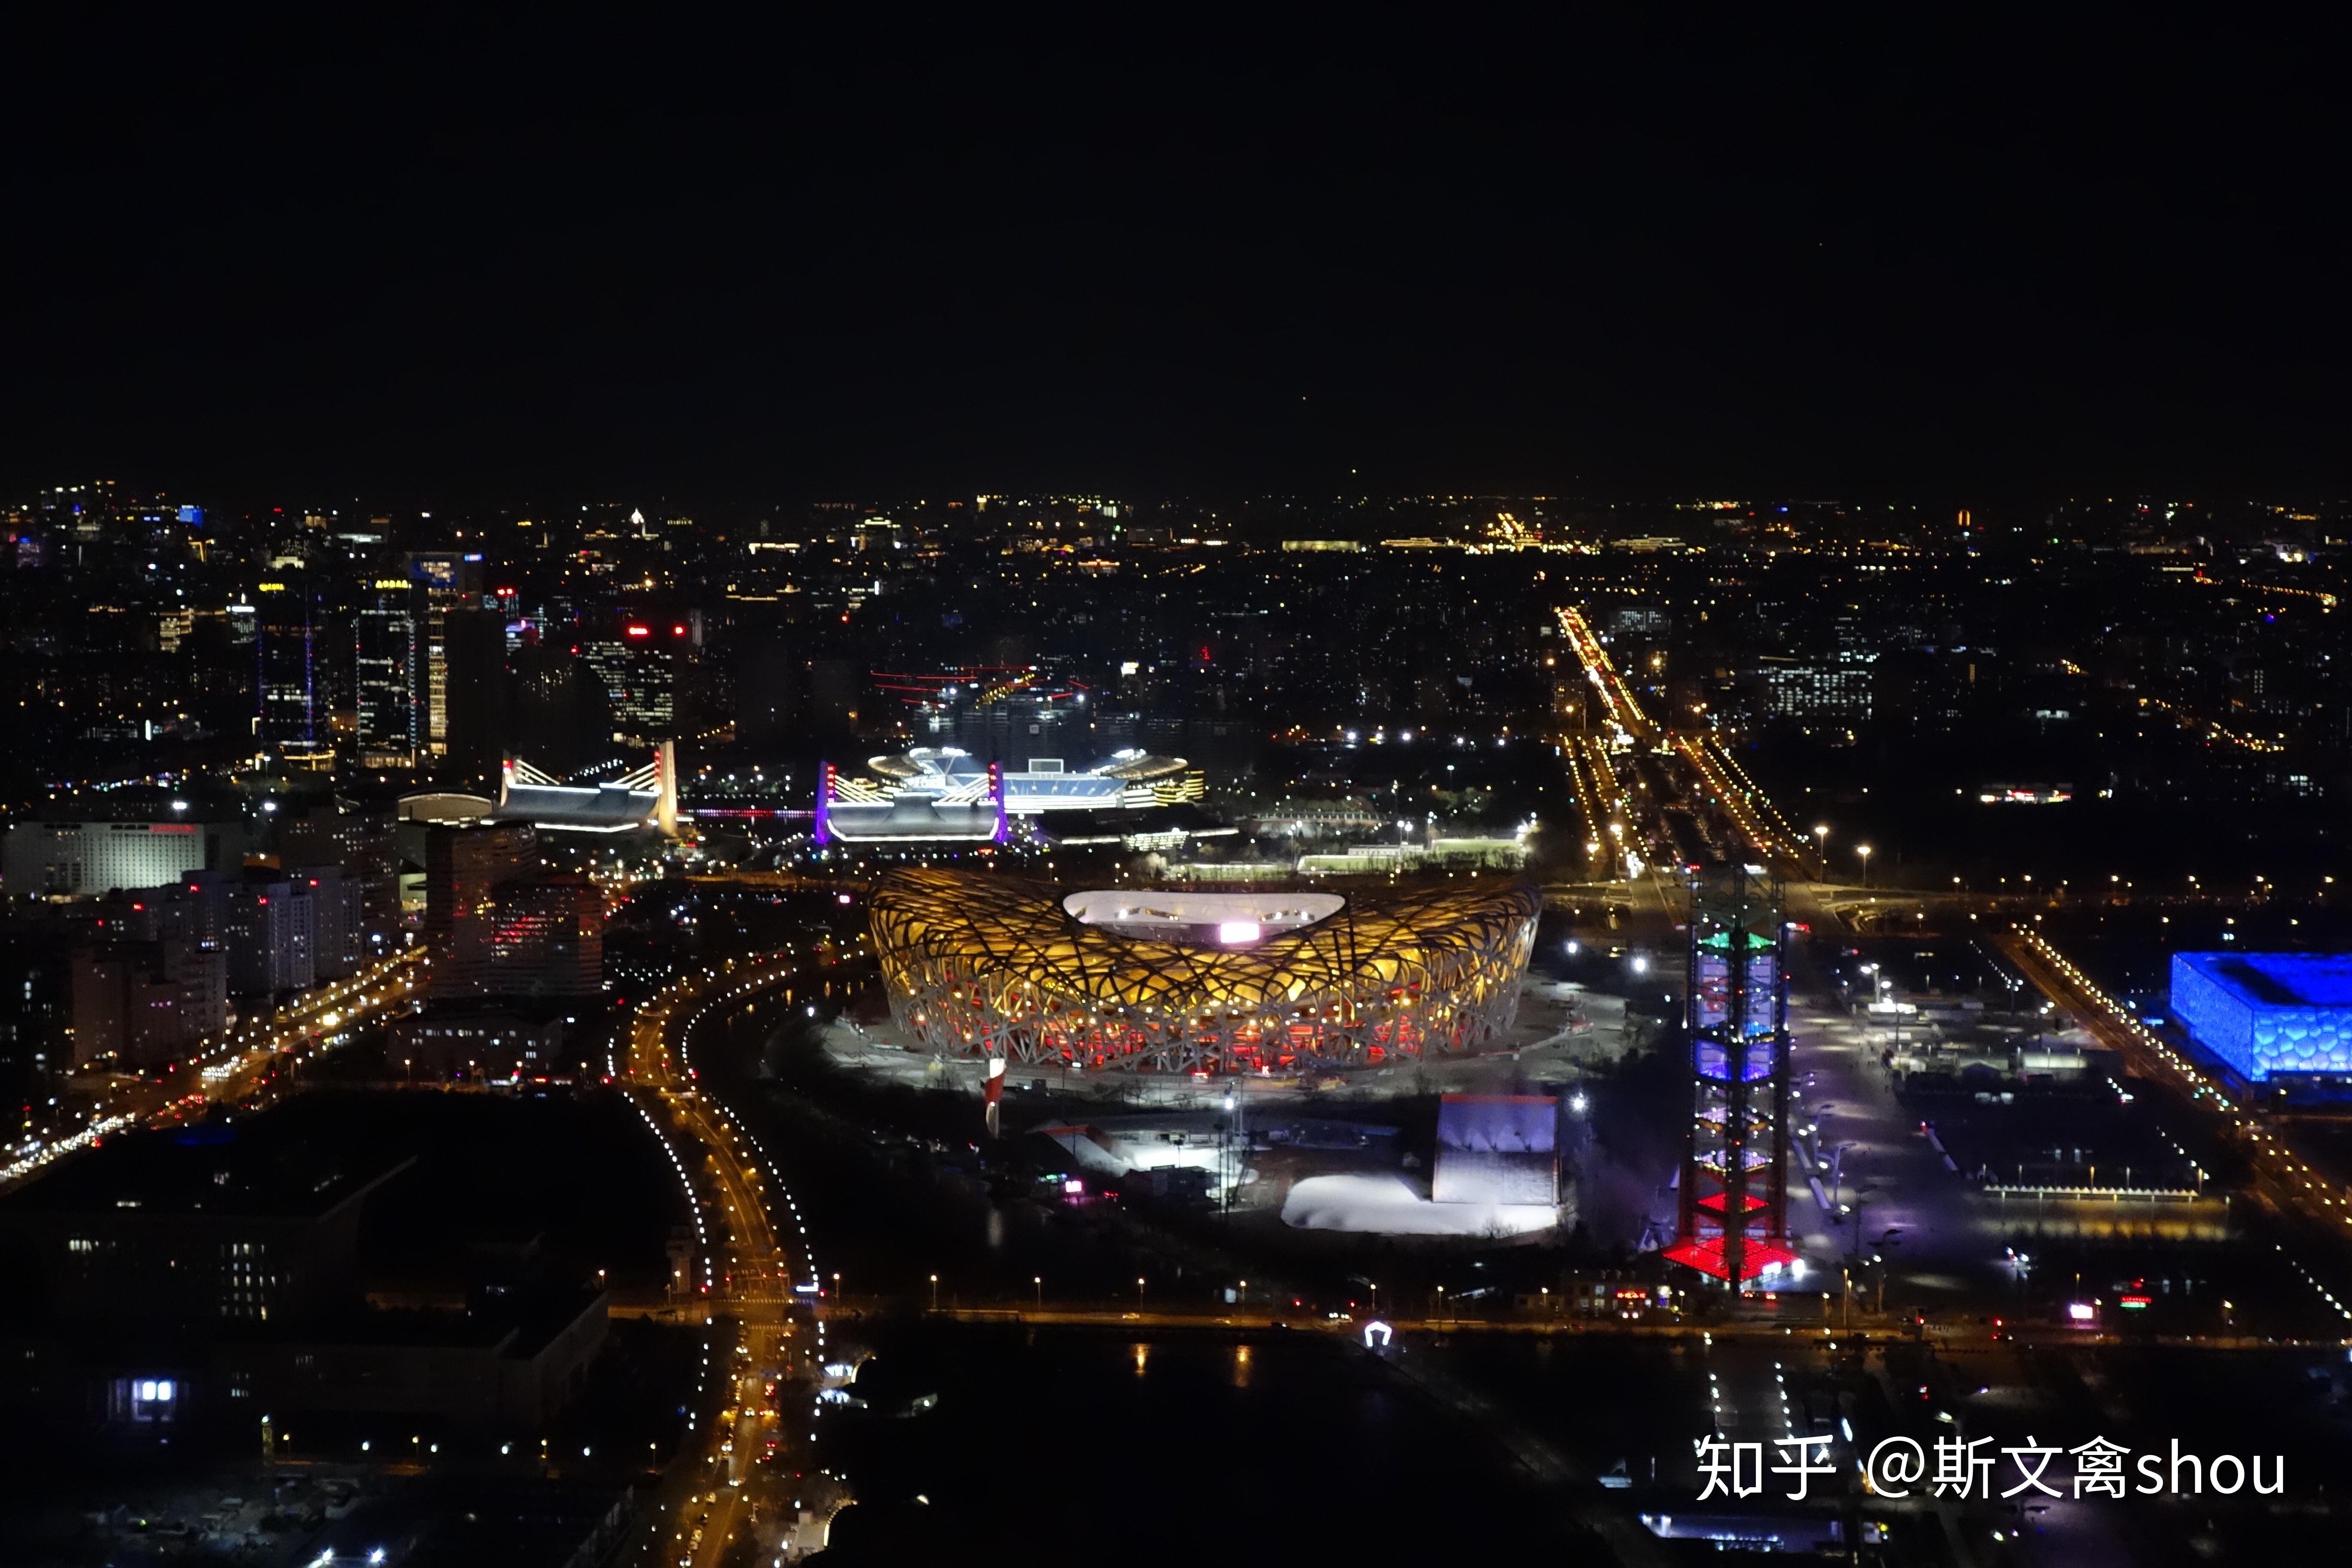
<point>750,1267</point>
<point>1750,810</point>
<point>1617,699</point>
<point>1610,813</point>
<point>238,1067</point>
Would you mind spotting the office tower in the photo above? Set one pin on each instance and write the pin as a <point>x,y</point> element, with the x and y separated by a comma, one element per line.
<point>475,710</point>
<point>638,663</point>
<point>292,703</point>
<point>441,581</point>
<point>389,667</point>
<point>463,870</point>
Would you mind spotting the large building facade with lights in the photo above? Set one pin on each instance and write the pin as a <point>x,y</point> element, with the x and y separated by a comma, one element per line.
<point>944,793</point>
<point>983,965</point>
<point>2268,1015</point>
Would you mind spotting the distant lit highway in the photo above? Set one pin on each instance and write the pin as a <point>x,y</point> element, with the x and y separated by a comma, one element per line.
<point>1700,769</point>
<point>1608,813</point>
<point>236,1066</point>
<point>1617,699</point>
<point>749,1269</point>
<point>1749,809</point>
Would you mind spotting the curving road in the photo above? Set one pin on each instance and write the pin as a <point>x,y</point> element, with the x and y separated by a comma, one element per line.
<point>736,1476</point>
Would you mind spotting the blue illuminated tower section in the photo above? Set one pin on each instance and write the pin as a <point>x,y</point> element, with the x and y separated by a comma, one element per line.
<point>1732,1219</point>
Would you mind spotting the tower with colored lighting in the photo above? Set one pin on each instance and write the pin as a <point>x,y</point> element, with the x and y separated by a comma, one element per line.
<point>1733,1221</point>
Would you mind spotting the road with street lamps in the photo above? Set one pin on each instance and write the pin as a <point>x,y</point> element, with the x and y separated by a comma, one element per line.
<point>760,1279</point>
<point>241,1066</point>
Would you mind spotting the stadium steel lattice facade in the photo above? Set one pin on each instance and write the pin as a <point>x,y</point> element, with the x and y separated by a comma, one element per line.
<point>982,965</point>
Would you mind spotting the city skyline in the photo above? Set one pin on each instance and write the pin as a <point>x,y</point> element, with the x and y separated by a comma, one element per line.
<point>861,789</point>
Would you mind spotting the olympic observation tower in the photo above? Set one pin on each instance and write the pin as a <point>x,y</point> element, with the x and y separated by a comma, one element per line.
<point>1733,1218</point>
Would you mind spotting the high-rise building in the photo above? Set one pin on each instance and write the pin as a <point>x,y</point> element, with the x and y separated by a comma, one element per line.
<point>559,714</point>
<point>200,969</point>
<point>442,581</point>
<point>389,670</point>
<point>638,663</point>
<point>475,710</point>
<point>270,931</point>
<point>464,869</point>
<point>462,866</point>
<point>1820,691</point>
<point>338,919</point>
<point>139,1005</point>
<point>357,845</point>
<point>35,1015</point>
<point>771,689</point>
<point>293,701</point>
<point>546,939</point>
<point>100,1006</point>
<point>498,927</point>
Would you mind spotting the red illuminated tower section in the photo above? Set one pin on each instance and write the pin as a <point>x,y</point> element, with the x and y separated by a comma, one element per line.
<point>1733,1217</point>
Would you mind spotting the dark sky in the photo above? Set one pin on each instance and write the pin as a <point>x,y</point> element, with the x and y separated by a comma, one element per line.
<point>1162,252</point>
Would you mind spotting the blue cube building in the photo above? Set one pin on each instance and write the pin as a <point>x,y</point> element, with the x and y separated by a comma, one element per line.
<point>2266,1014</point>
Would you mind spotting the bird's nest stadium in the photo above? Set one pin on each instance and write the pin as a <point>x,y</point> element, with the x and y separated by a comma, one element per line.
<point>982,965</point>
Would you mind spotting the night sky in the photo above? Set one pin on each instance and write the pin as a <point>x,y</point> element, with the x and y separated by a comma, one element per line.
<point>1173,253</point>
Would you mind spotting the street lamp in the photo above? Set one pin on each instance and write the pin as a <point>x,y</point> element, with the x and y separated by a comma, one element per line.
<point>1864,850</point>
<point>935,1292</point>
<point>1822,847</point>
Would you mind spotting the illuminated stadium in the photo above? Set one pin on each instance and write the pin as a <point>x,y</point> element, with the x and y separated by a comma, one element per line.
<point>982,965</point>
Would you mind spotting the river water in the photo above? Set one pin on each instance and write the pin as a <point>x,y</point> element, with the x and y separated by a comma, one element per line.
<point>1074,1444</point>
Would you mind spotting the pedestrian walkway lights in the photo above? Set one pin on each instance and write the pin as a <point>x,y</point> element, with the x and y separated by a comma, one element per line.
<point>1733,1217</point>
